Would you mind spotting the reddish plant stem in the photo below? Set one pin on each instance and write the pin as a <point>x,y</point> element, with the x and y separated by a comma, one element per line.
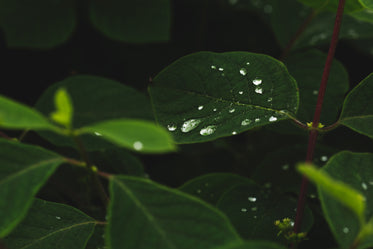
<point>316,118</point>
<point>3,135</point>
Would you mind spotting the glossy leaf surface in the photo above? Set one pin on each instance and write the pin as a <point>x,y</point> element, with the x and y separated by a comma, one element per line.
<point>354,169</point>
<point>14,115</point>
<point>204,96</point>
<point>138,135</point>
<point>167,218</point>
<point>52,225</point>
<point>357,112</point>
<point>212,186</point>
<point>131,21</point>
<point>23,171</point>
<point>253,211</point>
<point>95,99</point>
<point>37,24</point>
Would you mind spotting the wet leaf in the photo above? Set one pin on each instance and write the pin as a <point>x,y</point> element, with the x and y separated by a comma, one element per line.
<point>130,21</point>
<point>23,171</point>
<point>357,112</point>
<point>204,96</point>
<point>49,224</point>
<point>167,218</point>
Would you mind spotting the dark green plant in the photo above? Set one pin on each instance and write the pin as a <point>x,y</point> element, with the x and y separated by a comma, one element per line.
<point>93,125</point>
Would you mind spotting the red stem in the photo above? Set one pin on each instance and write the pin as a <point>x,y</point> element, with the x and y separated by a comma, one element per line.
<point>316,118</point>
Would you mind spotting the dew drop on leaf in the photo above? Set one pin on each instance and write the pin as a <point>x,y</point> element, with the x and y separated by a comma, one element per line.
<point>247,63</point>
<point>97,133</point>
<point>240,92</point>
<point>190,125</point>
<point>246,122</point>
<point>171,127</point>
<point>232,110</point>
<point>214,109</point>
<point>364,185</point>
<point>269,99</point>
<point>259,90</point>
<point>272,119</point>
<point>208,130</point>
<point>200,107</point>
<point>234,132</point>
<point>138,145</point>
<point>243,71</point>
<point>315,92</point>
<point>58,217</point>
<point>324,158</point>
<point>252,199</point>
<point>257,119</point>
<point>213,67</point>
<point>221,69</point>
<point>244,210</point>
<point>257,81</point>
<point>346,230</point>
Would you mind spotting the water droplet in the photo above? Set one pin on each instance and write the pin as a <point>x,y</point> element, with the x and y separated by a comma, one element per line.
<point>257,81</point>
<point>199,191</point>
<point>234,132</point>
<point>244,210</point>
<point>315,92</point>
<point>312,196</point>
<point>257,119</point>
<point>213,67</point>
<point>171,127</point>
<point>246,122</point>
<point>190,125</point>
<point>243,71</point>
<point>255,217</point>
<point>208,130</point>
<point>232,110</point>
<point>58,217</point>
<point>221,69</point>
<point>214,109</point>
<point>252,199</point>
<point>200,107</point>
<point>292,223</point>
<point>254,208</point>
<point>259,90</point>
<point>272,119</point>
<point>247,63</point>
<point>364,185</point>
<point>346,230</point>
<point>138,145</point>
<point>240,92</point>
<point>370,183</point>
<point>285,167</point>
<point>324,158</point>
<point>269,99</point>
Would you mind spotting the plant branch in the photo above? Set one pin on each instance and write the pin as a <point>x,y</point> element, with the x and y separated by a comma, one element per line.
<point>316,119</point>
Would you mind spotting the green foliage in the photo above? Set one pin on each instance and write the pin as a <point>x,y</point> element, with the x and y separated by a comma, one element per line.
<point>86,168</point>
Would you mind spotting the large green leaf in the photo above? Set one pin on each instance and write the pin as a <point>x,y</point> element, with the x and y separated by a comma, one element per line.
<point>137,135</point>
<point>95,99</point>
<point>212,186</point>
<point>52,225</point>
<point>131,21</point>
<point>14,115</point>
<point>357,112</point>
<point>37,23</point>
<point>253,210</point>
<point>23,171</point>
<point>143,214</point>
<point>350,5</point>
<point>206,95</point>
<point>354,169</point>
<point>253,244</point>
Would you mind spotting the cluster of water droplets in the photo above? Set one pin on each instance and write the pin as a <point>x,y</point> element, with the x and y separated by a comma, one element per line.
<point>251,199</point>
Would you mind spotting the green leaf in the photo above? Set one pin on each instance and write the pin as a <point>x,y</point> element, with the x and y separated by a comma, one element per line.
<point>14,115</point>
<point>212,186</point>
<point>95,99</point>
<point>52,225</point>
<point>64,108</point>
<point>357,112</point>
<point>137,135</point>
<point>23,171</point>
<point>37,24</point>
<point>143,214</point>
<point>307,68</point>
<point>367,3</point>
<point>254,244</point>
<point>350,5</point>
<point>206,95</point>
<point>130,21</point>
<point>355,170</point>
<point>346,195</point>
<point>253,211</point>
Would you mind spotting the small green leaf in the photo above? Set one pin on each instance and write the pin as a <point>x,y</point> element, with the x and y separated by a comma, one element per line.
<point>345,194</point>
<point>143,214</point>
<point>206,95</point>
<point>137,135</point>
<point>37,24</point>
<point>130,21</point>
<point>47,223</point>
<point>23,171</point>
<point>357,112</point>
<point>64,108</point>
<point>14,115</point>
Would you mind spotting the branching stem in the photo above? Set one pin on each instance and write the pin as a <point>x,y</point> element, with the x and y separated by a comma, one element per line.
<point>316,119</point>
